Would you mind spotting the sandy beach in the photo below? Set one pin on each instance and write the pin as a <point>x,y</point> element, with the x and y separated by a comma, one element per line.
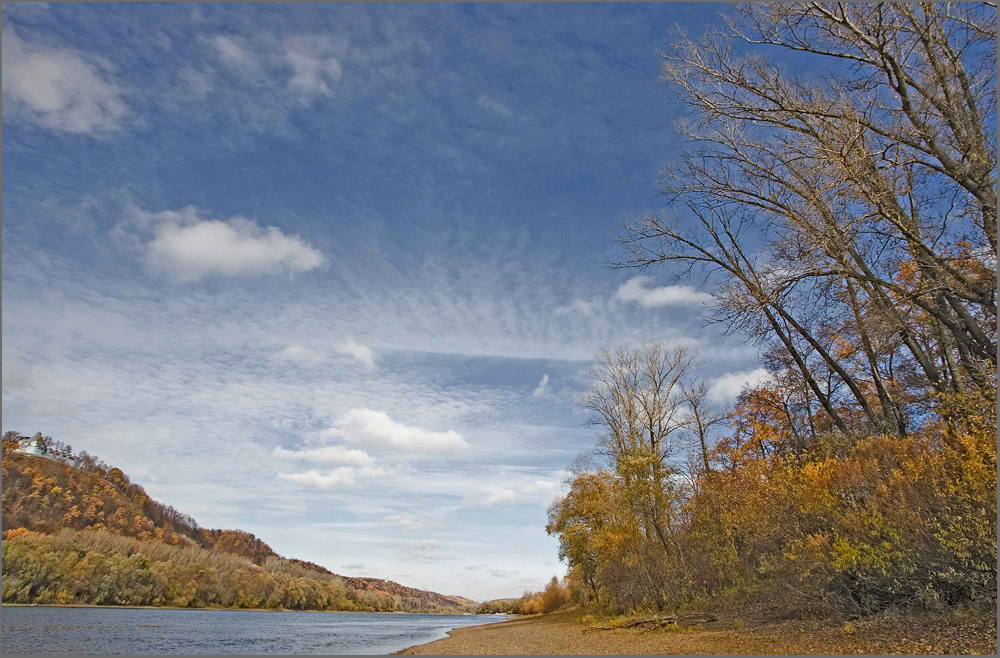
<point>562,633</point>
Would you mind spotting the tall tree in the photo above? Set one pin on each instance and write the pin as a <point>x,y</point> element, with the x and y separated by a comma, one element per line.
<point>637,401</point>
<point>851,204</point>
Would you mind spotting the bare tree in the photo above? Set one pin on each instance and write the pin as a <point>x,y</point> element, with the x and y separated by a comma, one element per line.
<point>705,417</point>
<point>852,213</point>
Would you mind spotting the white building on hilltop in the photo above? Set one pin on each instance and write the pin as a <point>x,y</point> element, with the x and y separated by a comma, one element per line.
<point>38,447</point>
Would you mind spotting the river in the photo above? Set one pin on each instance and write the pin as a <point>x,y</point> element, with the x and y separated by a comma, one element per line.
<point>53,630</point>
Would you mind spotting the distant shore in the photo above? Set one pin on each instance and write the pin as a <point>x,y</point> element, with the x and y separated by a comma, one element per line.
<point>563,633</point>
<point>168,607</point>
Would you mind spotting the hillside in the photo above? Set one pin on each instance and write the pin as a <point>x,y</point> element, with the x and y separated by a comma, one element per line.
<point>42,497</point>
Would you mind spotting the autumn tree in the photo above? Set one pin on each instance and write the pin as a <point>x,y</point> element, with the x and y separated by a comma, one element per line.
<point>637,402</point>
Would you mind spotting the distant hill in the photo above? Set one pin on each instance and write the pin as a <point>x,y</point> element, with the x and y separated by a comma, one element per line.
<point>394,588</point>
<point>48,497</point>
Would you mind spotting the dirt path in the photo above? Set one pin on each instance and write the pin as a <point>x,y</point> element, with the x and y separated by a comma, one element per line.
<point>561,633</point>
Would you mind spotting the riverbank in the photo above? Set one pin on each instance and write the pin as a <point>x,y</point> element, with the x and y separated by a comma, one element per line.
<point>564,633</point>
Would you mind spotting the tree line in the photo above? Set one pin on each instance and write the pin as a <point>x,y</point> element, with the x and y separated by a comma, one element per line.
<point>845,213</point>
<point>555,595</point>
<point>102,568</point>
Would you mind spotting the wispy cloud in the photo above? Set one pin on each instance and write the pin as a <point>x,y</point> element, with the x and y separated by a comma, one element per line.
<point>59,89</point>
<point>488,103</point>
<point>497,496</point>
<point>327,455</point>
<point>302,356</point>
<point>342,476</point>
<point>577,306</point>
<point>235,54</point>
<point>407,520</point>
<point>197,83</point>
<point>315,69</point>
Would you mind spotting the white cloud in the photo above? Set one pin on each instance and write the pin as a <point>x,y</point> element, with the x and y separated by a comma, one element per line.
<point>368,426</point>
<point>342,476</point>
<point>488,103</point>
<point>328,455</point>
<point>542,388</point>
<point>497,496</point>
<point>302,356</point>
<point>362,353</point>
<point>315,71</point>
<point>728,386</point>
<point>636,290</point>
<point>58,89</point>
<point>188,247</point>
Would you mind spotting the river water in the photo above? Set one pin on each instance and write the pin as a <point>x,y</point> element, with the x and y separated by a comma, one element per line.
<point>44,630</point>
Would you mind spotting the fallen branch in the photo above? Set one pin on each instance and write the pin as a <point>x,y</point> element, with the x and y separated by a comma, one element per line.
<point>693,618</point>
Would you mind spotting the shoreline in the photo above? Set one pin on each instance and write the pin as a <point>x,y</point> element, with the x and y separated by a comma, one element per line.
<point>566,633</point>
<point>219,609</point>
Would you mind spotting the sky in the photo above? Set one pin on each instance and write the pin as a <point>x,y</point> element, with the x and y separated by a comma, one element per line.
<point>334,274</point>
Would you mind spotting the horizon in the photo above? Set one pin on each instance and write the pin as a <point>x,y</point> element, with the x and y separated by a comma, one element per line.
<point>337,281</point>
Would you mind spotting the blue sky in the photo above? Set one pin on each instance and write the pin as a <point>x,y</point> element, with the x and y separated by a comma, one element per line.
<point>333,274</point>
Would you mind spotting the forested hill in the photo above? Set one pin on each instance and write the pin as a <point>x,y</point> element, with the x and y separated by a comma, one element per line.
<point>43,497</point>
